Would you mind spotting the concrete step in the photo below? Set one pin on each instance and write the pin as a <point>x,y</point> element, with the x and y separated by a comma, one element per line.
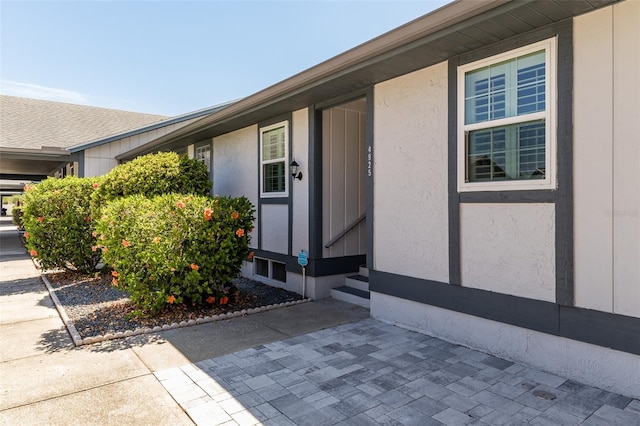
<point>364,271</point>
<point>351,295</point>
<point>357,281</point>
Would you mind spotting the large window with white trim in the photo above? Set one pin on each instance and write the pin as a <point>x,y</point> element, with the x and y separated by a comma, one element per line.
<point>506,120</point>
<point>274,147</point>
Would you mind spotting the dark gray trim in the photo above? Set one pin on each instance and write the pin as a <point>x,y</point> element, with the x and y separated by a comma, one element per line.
<point>534,196</point>
<point>455,276</point>
<point>275,200</point>
<point>316,267</point>
<point>563,196</point>
<point>315,182</point>
<point>618,332</point>
<point>370,179</point>
<point>334,265</point>
<point>81,172</point>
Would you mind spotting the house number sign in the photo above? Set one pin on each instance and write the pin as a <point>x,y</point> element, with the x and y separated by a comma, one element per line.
<point>369,162</point>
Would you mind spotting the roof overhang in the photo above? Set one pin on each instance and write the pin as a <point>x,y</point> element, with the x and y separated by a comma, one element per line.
<point>33,162</point>
<point>457,28</point>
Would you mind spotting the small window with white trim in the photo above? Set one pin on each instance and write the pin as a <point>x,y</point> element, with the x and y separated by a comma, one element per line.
<point>506,121</point>
<point>203,155</point>
<point>274,147</point>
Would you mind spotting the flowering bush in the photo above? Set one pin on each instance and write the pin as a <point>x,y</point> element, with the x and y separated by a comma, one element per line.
<point>175,248</point>
<point>151,175</point>
<point>58,225</point>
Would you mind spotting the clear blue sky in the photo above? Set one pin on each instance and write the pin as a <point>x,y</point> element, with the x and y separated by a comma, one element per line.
<point>170,57</point>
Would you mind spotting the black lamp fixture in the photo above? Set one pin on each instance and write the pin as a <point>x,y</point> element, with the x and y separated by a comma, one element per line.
<point>294,170</point>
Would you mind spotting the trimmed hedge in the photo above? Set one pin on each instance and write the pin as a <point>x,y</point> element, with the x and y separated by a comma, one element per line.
<point>175,248</point>
<point>151,175</point>
<point>58,224</point>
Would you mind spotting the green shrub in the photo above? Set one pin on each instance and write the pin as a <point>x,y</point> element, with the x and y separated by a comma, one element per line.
<point>17,213</point>
<point>175,248</point>
<point>151,175</point>
<point>58,225</point>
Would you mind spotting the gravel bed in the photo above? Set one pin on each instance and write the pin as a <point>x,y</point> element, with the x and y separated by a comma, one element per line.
<point>96,308</point>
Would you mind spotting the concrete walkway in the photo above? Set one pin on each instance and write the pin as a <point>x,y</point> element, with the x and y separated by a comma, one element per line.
<point>318,363</point>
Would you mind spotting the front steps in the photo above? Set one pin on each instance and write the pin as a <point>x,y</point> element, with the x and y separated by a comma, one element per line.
<point>355,289</point>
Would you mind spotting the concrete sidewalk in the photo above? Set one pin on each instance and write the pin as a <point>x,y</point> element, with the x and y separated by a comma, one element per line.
<point>318,363</point>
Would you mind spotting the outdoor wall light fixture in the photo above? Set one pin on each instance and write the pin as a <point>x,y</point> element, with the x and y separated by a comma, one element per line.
<point>294,170</point>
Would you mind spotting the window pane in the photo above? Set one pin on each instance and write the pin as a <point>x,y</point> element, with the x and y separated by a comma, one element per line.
<point>203,154</point>
<point>506,89</point>
<point>507,153</point>
<point>273,177</point>
<point>273,144</point>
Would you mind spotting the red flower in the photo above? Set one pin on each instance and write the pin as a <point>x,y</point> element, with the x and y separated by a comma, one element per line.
<point>207,213</point>
<point>94,248</point>
<point>240,233</point>
<point>194,267</point>
<point>114,273</point>
<point>235,215</point>
<point>95,185</point>
<point>105,249</point>
<point>126,243</point>
<point>156,240</point>
<point>180,205</point>
<point>171,299</point>
<point>33,253</point>
<point>26,235</point>
<point>224,300</point>
<point>250,255</point>
<point>94,234</point>
<point>211,299</point>
<point>40,219</point>
<point>114,282</point>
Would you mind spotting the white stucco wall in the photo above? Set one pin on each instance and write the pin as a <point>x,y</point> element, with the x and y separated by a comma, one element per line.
<point>235,172</point>
<point>590,364</point>
<point>607,159</point>
<point>509,248</point>
<point>411,234</point>
<point>300,188</point>
<point>275,228</point>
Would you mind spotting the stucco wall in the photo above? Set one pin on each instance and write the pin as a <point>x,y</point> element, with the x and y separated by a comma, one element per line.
<point>411,234</point>
<point>235,156</point>
<point>607,159</point>
<point>300,188</point>
<point>275,228</point>
<point>509,248</point>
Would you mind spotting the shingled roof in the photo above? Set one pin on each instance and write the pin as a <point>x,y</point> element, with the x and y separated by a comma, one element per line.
<point>34,124</point>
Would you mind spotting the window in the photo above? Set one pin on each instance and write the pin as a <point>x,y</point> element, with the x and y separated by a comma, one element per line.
<point>270,269</point>
<point>274,142</point>
<point>203,155</point>
<point>506,120</point>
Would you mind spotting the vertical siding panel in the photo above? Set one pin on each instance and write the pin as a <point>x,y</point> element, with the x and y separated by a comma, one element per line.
<point>593,128</point>
<point>337,191</point>
<point>326,178</point>
<point>351,205</point>
<point>626,158</point>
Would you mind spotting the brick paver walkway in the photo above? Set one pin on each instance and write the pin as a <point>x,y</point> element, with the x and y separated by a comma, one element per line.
<point>370,372</point>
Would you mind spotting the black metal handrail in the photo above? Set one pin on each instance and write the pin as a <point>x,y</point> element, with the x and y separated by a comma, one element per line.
<point>346,230</point>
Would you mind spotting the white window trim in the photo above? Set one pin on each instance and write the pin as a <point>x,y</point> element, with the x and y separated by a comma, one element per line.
<point>549,115</point>
<point>208,163</point>
<point>284,193</point>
